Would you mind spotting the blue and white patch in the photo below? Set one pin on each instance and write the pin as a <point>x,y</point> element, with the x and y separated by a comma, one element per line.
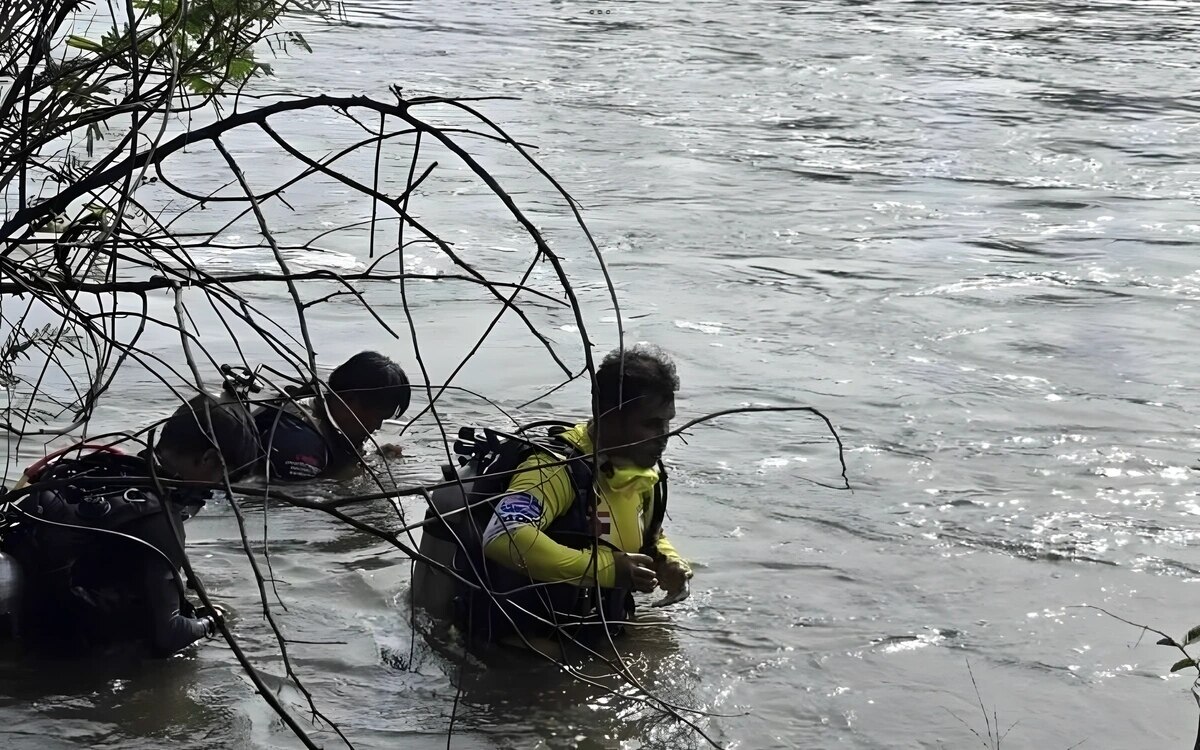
<point>517,509</point>
<point>521,507</point>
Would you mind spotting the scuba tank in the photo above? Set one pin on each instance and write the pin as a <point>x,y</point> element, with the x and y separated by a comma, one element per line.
<point>433,590</point>
<point>11,581</point>
<point>36,468</point>
<point>12,578</point>
<point>459,512</point>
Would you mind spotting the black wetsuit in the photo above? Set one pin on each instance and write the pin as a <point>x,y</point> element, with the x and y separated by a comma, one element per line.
<point>297,446</point>
<point>100,562</point>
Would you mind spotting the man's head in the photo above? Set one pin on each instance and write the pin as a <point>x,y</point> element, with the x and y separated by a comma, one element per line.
<point>635,402</point>
<point>364,391</point>
<point>203,431</point>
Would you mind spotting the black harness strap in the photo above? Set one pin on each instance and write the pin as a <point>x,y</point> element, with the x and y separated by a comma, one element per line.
<point>658,513</point>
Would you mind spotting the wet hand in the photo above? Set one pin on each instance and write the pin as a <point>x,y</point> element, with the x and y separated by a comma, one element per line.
<point>635,571</point>
<point>212,618</point>
<point>217,612</point>
<point>391,450</point>
<point>672,575</point>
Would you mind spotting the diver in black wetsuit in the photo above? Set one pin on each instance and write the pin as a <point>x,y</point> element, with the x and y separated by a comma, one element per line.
<point>303,440</point>
<point>101,550</point>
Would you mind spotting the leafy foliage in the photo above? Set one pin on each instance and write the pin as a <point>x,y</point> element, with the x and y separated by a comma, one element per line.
<point>1183,664</point>
<point>164,56</point>
<point>1193,635</point>
<point>80,90</point>
<point>211,41</point>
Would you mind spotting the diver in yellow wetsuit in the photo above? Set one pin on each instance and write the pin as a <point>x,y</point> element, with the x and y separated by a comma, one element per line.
<point>635,399</point>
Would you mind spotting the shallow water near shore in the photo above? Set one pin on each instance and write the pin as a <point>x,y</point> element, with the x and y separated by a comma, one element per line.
<point>966,232</point>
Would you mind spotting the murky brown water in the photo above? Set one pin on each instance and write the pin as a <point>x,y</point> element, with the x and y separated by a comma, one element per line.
<point>966,231</point>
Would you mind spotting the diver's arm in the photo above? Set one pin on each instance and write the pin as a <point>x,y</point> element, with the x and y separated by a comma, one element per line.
<point>514,539</point>
<point>171,630</point>
<point>672,570</point>
<point>666,551</point>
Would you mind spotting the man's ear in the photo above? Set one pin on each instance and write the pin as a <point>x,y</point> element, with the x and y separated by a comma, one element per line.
<point>612,421</point>
<point>339,407</point>
<point>212,460</point>
<point>356,405</point>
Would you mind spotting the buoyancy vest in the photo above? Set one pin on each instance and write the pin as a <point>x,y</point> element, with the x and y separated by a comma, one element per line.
<point>75,501</point>
<point>299,446</point>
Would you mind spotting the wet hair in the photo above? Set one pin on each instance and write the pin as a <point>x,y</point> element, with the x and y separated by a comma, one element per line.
<point>373,379</point>
<point>206,422</point>
<point>648,373</point>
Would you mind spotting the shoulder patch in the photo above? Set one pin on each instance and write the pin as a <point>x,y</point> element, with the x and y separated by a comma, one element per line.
<point>517,509</point>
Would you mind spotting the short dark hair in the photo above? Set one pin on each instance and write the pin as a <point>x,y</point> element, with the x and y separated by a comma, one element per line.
<point>373,378</point>
<point>206,422</point>
<point>634,374</point>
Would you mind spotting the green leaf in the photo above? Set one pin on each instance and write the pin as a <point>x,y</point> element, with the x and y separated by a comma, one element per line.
<point>1193,635</point>
<point>1168,641</point>
<point>198,85</point>
<point>82,42</point>
<point>195,25</point>
<point>240,68</point>
<point>1183,664</point>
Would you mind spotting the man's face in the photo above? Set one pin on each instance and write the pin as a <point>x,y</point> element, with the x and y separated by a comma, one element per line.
<point>357,419</point>
<point>643,430</point>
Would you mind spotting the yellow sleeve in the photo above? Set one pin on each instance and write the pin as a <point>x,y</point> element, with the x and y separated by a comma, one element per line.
<point>514,537</point>
<point>662,545</point>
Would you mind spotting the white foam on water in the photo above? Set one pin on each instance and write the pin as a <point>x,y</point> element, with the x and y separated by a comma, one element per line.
<point>710,328</point>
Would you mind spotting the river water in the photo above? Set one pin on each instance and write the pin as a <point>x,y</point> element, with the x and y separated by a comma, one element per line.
<point>965,231</point>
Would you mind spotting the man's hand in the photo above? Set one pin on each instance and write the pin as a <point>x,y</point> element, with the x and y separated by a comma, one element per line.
<point>212,618</point>
<point>217,612</point>
<point>635,571</point>
<point>672,574</point>
<point>391,450</point>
